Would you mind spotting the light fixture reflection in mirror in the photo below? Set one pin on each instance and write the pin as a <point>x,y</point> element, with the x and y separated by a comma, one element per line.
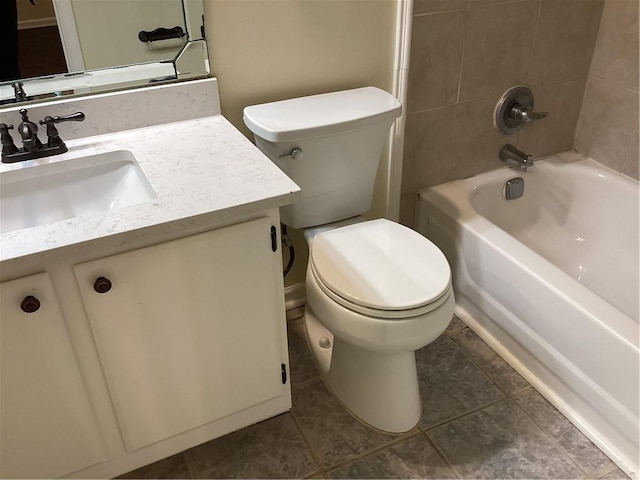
<point>104,49</point>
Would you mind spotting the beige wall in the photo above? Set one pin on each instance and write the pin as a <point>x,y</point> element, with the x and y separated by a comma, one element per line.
<point>464,55</point>
<point>39,15</point>
<point>263,51</point>
<point>608,126</point>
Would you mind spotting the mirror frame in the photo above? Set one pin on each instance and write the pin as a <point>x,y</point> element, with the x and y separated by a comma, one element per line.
<point>191,62</point>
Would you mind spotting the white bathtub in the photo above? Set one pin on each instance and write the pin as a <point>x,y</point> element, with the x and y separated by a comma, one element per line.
<point>550,280</point>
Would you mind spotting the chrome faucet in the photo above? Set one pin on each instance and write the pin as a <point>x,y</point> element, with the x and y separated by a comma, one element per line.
<point>510,153</point>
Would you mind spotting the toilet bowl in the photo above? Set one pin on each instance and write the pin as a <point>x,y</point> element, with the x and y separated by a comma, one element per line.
<point>376,291</point>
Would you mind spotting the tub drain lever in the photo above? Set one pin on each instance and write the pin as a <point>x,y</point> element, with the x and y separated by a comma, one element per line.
<point>514,188</point>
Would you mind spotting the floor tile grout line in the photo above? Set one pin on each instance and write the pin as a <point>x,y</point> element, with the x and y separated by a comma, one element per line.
<point>519,392</point>
<point>469,355</point>
<point>456,417</point>
<point>429,428</point>
<point>610,469</point>
<point>542,430</point>
<point>455,330</point>
<point>400,438</point>
<point>553,440</point>
<point>440,453</point>
<point>307,443</point>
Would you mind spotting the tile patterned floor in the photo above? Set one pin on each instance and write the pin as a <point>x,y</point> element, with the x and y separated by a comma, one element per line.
<point>480,420</point>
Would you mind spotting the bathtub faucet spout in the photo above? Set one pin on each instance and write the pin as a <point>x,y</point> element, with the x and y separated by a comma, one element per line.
<point>509,153</point>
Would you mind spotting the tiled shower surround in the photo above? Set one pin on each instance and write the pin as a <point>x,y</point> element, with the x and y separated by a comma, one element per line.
<point>466,53</point>
<point>480,420</point>
<point>608,125</point>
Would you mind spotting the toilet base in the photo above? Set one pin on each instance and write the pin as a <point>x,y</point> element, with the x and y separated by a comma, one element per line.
<point>379,388</point>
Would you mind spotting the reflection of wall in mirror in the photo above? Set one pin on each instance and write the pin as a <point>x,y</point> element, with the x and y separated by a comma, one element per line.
<point>108,31</point>
<point>40,14</point>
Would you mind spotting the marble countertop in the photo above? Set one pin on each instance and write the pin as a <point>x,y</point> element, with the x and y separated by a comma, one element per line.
<point>202,170</point>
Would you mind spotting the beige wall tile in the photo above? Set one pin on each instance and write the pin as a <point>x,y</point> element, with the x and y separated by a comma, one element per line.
<point>556,132</point>
<point>547,44</point>
<point>587,123</point>
<point>497,46</point>
<point>432,6</point>
<point>452,142</point>
<point>428,148</point>
<point>565,39</point>
<point>477,141</point>
<point>436,55</point>
<point>607,121</point>
<point>631,164</point>
<point>616,53</point>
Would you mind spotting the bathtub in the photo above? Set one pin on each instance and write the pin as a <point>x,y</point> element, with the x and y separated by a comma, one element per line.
<point>550,281</point>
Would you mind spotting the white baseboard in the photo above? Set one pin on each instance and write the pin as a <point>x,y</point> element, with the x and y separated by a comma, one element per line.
<point>295,296</point>
<point>37,23</point>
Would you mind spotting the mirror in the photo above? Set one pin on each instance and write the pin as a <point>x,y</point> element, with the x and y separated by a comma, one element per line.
<point>92,46</point>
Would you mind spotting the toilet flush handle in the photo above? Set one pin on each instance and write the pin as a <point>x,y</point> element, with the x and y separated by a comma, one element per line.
<point>296,154</point>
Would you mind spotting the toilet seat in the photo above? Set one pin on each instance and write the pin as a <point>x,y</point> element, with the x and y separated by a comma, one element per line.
<point>379,313</point>
<point>380,269</point>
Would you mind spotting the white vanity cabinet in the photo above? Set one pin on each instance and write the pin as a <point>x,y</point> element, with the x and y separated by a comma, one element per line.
<point>189,331</point>
<point>47,426</point>
<point>143,354</point>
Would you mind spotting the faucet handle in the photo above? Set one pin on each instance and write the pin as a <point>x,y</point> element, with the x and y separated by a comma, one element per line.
<point>8,147</point>
<point>53,137</point>
<point>518,112</point>
<point>74,117</point>
<point>515,109</point>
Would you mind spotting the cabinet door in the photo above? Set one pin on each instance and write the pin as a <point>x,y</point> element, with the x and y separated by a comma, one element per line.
<point>190,331</point>
<point>47,427</point>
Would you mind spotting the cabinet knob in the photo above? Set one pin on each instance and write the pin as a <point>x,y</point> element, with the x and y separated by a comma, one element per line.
<point>102,285</point>
<point>30,304</point>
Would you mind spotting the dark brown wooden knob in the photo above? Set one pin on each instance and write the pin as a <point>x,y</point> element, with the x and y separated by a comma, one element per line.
<point>102,285</point>
<point>30,304</point>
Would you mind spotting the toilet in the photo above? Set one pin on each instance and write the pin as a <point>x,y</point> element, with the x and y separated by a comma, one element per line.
<point>376,291</point>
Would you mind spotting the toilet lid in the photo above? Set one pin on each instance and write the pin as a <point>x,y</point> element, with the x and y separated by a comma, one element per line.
<point>380,265</point>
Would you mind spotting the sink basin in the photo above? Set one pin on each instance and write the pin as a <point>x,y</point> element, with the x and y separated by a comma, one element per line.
<point>43,194</point>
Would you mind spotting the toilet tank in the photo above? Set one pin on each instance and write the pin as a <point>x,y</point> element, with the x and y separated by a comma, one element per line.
<point>330,145</point>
